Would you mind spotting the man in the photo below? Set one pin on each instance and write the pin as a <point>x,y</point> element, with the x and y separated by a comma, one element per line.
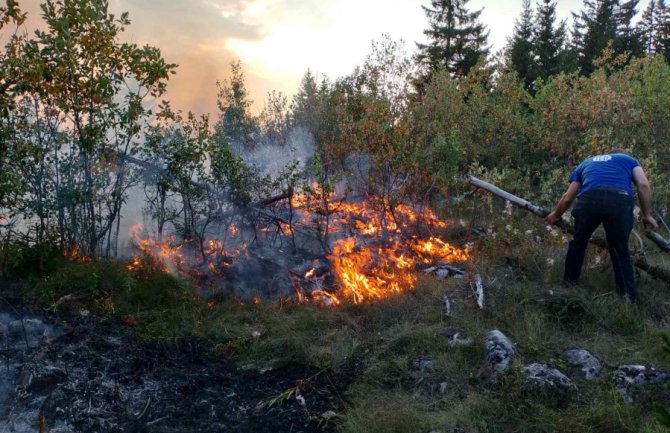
<point>602,186</point>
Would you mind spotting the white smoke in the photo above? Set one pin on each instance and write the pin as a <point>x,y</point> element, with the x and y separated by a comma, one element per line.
<point>272,159</point>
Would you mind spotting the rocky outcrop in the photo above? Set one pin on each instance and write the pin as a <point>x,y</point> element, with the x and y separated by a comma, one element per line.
<point>640,375</point>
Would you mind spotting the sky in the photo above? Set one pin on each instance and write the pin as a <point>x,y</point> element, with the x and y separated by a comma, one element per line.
<point>277,41</point>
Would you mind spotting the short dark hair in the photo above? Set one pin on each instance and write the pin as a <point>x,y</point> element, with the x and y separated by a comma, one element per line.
<point>618,150</point>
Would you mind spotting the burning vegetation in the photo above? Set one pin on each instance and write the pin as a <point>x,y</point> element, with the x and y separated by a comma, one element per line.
<point>367,250</point>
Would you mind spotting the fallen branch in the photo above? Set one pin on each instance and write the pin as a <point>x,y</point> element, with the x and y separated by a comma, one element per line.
<point>479,291</point>
<point>659,240</point>
<point>654,271</point>
<point>542,212</point>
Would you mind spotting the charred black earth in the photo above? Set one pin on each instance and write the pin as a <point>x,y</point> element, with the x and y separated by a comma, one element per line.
<point>81,378</point>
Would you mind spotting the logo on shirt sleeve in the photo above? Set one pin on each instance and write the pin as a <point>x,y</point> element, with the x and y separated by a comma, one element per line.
<point>602,158</point>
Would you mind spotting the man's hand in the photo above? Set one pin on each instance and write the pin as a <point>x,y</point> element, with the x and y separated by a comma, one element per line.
<point>564,203</point>
<point>650,222</point>
<point>552,218</point>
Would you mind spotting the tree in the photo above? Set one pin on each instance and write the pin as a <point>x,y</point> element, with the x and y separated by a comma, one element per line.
<point>654,29</point>
<point>457,40</point>
<point>10,79</point>
<point>627,36</point>
<point>604,22</point>
<point>521,47</point>
<point>537,47</point>
<point>648,27</point>
<point>178,188</point>
<point>594,28</point>
<point>236,126</point>
<point>79,114</point>
<point>550,52</point>
<point>275,120</point>
<point>664,30</point>
<point>305,107</point>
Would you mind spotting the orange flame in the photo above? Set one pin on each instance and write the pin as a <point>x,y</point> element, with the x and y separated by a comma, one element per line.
<point>167,256</point>
<point>74,254</point>
<point>368,273</point>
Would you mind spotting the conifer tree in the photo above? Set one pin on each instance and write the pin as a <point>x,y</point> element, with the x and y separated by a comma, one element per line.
<point>595,26</point>
<point>600,23</point>
<point>305,108</point>
<point>537,47</point>
<point>457,39</point>
<point>663,35</point>
<point>236,125</point>
<point>627,36</point>
<point>520,49</point>
<point>648,27</point>
<point>550,52</point>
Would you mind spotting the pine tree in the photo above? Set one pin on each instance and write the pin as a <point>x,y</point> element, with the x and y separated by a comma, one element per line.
<point>648,27</point>
<point>520,48</point>
<point>235,125</point>
<point>306,108</point>
<point>605,22</point>
<point>550,52</point>
<point>663,38</point>
<point>537,48</point>
<point>595,26</point>
<point>627,38</point>
<point>457,40</point>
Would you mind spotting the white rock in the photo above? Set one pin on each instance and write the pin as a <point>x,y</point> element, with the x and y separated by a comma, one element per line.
<point>589,364</point>
<point>500,350</point>
<point>546,378</point>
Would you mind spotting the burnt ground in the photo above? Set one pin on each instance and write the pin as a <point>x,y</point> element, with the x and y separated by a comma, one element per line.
<point>81,378</point>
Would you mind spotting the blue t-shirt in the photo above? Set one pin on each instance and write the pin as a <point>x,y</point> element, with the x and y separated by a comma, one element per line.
<point>611,171</point>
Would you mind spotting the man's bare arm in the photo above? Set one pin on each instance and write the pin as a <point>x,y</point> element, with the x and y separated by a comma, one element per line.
<point>564,203</point>
<point>644,195</point>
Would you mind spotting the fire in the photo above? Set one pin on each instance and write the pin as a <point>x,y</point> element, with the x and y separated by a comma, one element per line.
<point>134,264</point>
<point>74,254</point>
<point>375,249</point>
<point>159,249</point>
<point>434,249</point>
<point>184,259</point>
<point>325,298</point>
<point>370,274</point>
<point>312,196</point>
<point>375,260</point>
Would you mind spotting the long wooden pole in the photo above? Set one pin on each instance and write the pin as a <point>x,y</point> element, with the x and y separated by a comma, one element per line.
<point>662,243</point>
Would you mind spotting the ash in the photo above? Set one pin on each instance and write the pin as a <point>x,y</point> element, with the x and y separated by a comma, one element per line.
<point>77,378</point>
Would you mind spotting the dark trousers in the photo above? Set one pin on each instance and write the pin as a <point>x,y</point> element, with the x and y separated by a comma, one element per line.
<point>614,209</point>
